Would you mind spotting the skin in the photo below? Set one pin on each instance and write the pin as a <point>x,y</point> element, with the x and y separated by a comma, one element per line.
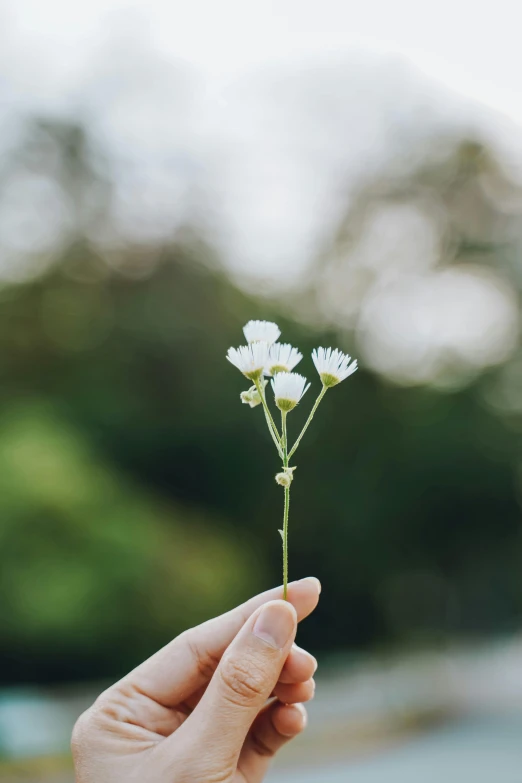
<point>213,706</point>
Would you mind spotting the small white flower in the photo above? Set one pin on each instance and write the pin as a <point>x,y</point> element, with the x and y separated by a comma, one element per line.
<point>261,331</point>
<point>282,358</point>
<point>289,388</point>
<point>332,365</point>
<point>250,359</point>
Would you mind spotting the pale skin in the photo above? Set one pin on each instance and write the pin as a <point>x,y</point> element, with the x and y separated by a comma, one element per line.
<point>213,706</point>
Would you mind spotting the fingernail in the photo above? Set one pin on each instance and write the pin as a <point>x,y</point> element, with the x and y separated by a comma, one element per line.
<point>275,624</point>
<point>303,713</point>
<point>315,580</point>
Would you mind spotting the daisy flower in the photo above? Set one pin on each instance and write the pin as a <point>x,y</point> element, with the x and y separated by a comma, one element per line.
<point>289,388</point>
<point>250,359</point>
<point>261,331</point>
<point>332,365</point>
<point>282,358</point>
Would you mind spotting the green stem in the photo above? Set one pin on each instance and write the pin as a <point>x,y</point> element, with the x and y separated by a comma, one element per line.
<point>285,543</point>
<point>284,439</point>
<point>269,420</point>
<point>308,422</point>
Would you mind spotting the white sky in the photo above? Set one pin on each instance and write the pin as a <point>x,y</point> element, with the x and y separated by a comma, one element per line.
<point>474,46</point>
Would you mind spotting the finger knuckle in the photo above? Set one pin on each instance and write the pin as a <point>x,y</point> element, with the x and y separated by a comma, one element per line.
<point>244,682</point>
<point>261,747</point>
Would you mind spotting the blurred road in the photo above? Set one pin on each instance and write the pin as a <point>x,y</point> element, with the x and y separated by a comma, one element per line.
<point>438,718</point>
<point>482,749</point>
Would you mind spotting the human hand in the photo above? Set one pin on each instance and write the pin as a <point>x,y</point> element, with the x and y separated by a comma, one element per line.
<point>197,711</point>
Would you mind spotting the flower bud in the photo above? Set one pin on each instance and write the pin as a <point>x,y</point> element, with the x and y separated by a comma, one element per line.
<point>285,478</point>
<point>251,397</point>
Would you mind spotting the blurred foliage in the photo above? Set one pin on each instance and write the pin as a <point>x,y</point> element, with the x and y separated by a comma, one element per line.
<point>137,494</point>
<point>88,557</point>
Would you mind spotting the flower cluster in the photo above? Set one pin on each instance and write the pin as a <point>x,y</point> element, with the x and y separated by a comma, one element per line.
<point>264,357</point>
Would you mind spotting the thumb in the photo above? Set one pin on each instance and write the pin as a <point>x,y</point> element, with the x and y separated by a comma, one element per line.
<point>243,681</point>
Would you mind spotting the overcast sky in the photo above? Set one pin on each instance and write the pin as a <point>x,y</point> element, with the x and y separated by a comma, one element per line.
<point>472,46</point>
<point>254,120</point>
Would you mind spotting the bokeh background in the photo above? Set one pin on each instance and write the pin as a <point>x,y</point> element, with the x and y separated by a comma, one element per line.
<point>169,172</point>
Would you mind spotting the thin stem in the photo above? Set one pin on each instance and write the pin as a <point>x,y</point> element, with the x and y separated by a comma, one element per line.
<point>285,543</point>
<point>308,421</point>
<point>286,511</point>
<point>269,420</point>
<point>284,439</point>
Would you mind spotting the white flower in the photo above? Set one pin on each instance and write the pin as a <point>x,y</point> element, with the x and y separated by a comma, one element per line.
<point>333,366</point>
<point>261,331</point>
<point>282,358</point>
<point>250,359</point>
<point>289,388</point>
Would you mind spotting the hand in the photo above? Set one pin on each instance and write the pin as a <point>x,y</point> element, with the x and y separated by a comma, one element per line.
<point>197,711</point>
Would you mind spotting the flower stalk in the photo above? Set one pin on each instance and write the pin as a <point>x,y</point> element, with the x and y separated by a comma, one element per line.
<point>286,510</point>
<point>308,421</point>
<point>269,420</point>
